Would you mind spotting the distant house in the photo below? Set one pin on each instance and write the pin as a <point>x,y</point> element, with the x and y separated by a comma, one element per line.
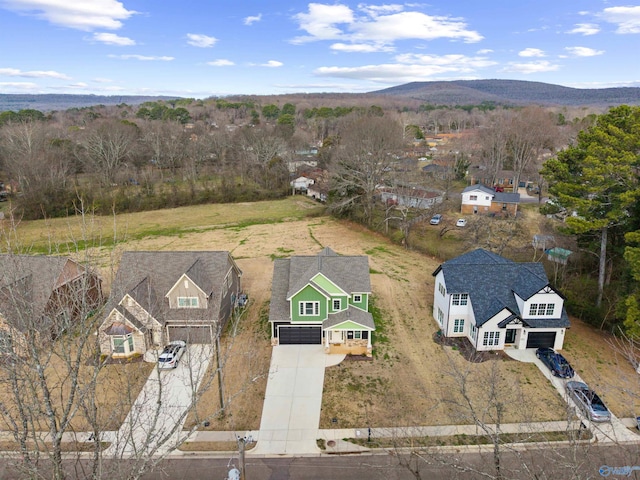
<point>302,183</point>
<point>496,303</point>
<point>41,297</point>
<point>159,297</point>
<point>484,200</point>
<point>322,300</point>
<point>413,197</point>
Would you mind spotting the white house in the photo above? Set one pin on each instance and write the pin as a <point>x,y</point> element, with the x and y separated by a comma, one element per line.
<point>481,199</point>
<point>302,183</point>
<point>496,303</point>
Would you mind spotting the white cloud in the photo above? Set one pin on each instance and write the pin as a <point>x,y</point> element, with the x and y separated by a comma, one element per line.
<point>251,19</point>
<point>531,52</point>
<point>199,40</point>
<point>79,85</point>
<point>221,62</point>
<point>361,47</point>
<point>409,67</point>
<point>484,51</point>
<point>19,85</point>
<point>627,18</point>
<point>378,25</point>
<point>78,14</point>
<point>102,80</point>
<point>272,64</point>
<point>585,29</point>
<point>583,51</point>
<point>531,67</point>
<point>14,72</point>
<point>113,39</point>
<point>142,58</point>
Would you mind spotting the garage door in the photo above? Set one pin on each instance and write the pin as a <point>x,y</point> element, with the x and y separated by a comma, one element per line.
<point>541,339</point>
<point>199,334</point>
<point>300,335</point>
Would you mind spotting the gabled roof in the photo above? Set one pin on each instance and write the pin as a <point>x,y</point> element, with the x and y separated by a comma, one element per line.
<point>148,276</point>
<point>351,314</point>
<point>350,273</point>
<point>499,197</point>
<point>491,282</point>
<point>27,282</point>
<point>290,275</point>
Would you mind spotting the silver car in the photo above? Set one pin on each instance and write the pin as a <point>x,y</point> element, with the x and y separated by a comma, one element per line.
<point>588,401</point>
<point>171,354</point>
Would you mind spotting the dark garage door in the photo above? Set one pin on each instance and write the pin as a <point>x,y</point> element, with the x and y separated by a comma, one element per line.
<point>541,339</point>
<point>300,335</point>
<point>199,334</point>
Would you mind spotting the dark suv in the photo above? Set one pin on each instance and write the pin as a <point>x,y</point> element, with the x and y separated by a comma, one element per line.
<point>555,362</point>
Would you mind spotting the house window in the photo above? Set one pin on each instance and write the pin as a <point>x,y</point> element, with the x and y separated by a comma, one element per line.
<point>460,298</point>
<point>458,325</point>
<point>357,334</point>
<point>365,335</point>
<point>187,302</point>
<point>474,331</point>
<point>491,339</point>
<point>440,316</point>
<point>309,309</point>
<point>357,298</point>
<point>504,206</point>
<point>473,197</point>
<point>443,291</point>
<point>541,309</point>
<point>349,334</point>
<point>122,344</point>
<point>337,304</point>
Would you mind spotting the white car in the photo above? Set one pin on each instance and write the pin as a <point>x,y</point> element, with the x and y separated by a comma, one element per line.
<point>462,222</point>
<point>435,220</point>
<point>171,354</point>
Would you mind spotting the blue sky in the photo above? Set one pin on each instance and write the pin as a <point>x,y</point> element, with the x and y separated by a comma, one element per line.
<point>202,48</point>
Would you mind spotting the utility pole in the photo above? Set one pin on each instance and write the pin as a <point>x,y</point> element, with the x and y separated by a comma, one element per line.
<point>241,444</point>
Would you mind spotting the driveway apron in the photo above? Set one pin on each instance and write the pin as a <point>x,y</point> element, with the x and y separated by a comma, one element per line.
<point>293,398</point>
<point>605,432</point>
<point>154,423</point>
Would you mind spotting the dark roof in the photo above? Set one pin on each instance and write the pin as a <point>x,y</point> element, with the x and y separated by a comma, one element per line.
<point>27,281</point>
<point>279,306</point>
<point>148,276</point>
<point>499,197</point>
<point>491,282</point>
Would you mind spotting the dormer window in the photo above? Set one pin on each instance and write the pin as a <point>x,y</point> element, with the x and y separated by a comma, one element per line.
<point>460,298</point>
<point>187,302</point>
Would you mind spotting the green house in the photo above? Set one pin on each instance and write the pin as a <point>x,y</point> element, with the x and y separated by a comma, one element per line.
<point>322,300</point>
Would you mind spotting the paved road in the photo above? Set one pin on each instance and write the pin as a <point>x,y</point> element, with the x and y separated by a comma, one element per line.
<point>154,426</point>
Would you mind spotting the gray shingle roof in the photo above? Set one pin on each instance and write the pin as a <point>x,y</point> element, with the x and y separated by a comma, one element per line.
<point>148,277</point>
<point>350,314</point>
<point>350,273</point>
<point>491,281</point>
<point>500,197</point>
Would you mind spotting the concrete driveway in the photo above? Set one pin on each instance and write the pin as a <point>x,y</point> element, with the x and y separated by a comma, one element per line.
<point>291,411</point>
<point>154,423</point>
<point>614,431</point>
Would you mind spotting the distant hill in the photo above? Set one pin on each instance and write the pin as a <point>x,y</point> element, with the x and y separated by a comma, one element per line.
<point>49,102</point>
<point>511,92</point>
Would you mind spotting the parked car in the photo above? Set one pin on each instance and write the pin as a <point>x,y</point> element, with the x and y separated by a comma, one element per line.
<point>171,354</point>
<point>555,362</point>
<point>435,220</point>
<point>462,222</point>
<point>588,401</point>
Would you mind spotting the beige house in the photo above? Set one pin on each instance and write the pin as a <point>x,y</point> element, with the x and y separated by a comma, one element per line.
<point>158,297</point>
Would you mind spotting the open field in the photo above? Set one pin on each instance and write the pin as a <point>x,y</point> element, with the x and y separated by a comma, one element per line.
<point>411,380</point>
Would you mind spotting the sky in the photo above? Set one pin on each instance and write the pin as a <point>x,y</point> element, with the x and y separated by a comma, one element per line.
<point>204,48</point>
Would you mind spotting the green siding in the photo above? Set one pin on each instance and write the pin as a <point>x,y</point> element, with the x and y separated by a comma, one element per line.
<point>364,304</point>
<point>343,303</point>
<point>308,294</point>
<point>327,285</point>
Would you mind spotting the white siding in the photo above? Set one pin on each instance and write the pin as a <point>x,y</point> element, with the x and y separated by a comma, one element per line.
<point>546,299</point>
<point>483,200</point>
<point>492,326</point>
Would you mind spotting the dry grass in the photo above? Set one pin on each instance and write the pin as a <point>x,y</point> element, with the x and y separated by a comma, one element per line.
<point>411,380</point>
